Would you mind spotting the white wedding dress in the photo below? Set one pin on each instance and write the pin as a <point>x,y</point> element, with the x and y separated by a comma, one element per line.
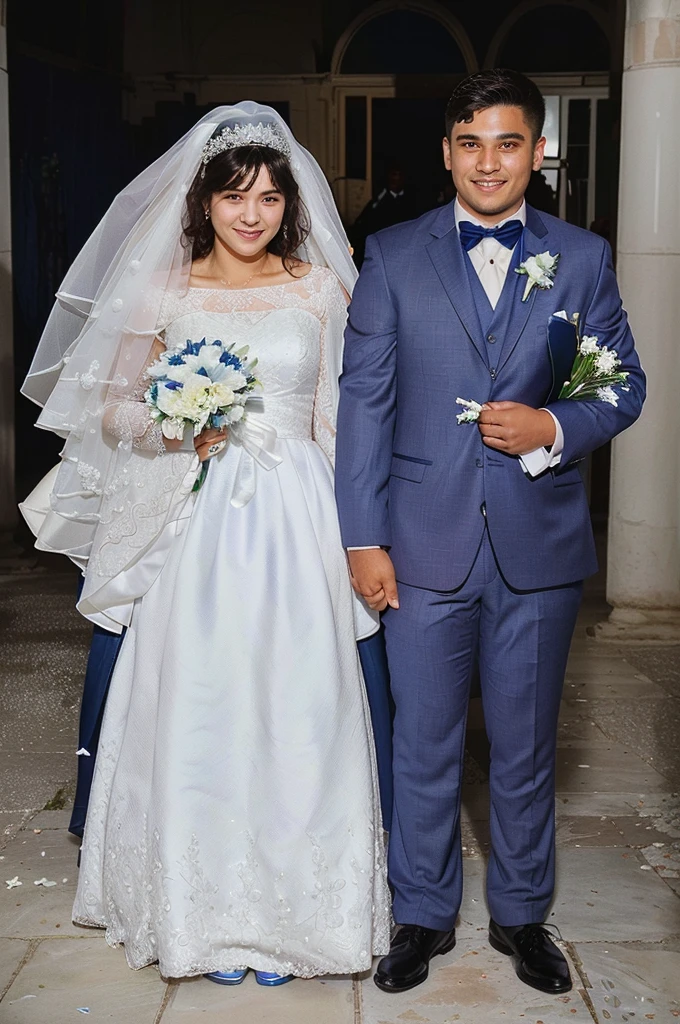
<point>234,816</point>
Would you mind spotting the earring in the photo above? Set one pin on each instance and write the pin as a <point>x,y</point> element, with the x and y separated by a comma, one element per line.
<point>285,232</point>
<point>207,214</point>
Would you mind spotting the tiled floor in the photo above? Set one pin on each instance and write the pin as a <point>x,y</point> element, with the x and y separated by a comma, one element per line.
<point>617,903</point>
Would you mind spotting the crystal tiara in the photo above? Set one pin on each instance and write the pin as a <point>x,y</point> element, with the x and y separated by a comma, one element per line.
<point>246,135</point>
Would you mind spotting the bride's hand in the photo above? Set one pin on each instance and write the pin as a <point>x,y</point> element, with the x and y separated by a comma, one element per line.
<point>172,444</point>
<point>207,439</point>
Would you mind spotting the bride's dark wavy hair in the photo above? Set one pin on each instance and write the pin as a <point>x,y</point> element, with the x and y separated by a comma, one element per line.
<point>238,168</point>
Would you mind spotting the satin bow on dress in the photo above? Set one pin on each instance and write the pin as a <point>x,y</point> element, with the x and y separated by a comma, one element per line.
<point>258,440</point>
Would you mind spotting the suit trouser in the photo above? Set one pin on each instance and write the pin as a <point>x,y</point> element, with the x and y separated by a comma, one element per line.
<point>377,679</point>
<point>101,662</point>
<point>521,639</point>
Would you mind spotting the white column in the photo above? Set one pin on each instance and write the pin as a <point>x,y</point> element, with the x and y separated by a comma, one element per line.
<point>8,509</point>
<point>643,571</point>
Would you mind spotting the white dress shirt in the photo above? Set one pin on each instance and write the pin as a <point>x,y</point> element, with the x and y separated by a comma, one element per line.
<point>491,259</point>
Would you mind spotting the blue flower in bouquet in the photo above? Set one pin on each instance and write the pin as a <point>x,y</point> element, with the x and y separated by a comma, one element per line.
<point>201,385</point>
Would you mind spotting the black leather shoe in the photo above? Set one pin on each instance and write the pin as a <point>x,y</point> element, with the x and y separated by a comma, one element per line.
<point>408,962</point>
<point>538,961</point>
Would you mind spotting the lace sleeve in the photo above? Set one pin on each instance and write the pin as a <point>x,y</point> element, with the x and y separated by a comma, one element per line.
<point>130,419</point>
<point>334,318</point>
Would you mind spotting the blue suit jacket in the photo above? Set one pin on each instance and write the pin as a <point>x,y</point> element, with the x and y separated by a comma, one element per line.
<point>408,476</point>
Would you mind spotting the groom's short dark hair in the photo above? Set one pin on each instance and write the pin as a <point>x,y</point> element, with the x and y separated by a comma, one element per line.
<point>497,87</point>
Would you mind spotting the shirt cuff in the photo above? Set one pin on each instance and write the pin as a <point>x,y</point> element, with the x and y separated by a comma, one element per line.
<point>536,462</point>
<point>366,547</point>
<point>558,444</point>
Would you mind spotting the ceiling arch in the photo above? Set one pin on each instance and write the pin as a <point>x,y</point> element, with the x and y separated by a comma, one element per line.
<point>429,8</point>
<point>525,7</point>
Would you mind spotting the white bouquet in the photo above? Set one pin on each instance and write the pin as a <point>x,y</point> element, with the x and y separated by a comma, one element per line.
<point>595,372</point>
<point>199,386</point>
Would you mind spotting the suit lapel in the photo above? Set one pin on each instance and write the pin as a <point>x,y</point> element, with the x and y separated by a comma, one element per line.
<point>533,241</point>
<point>448,259</point>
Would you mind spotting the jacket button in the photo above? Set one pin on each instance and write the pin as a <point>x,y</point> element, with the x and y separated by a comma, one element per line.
<point>492,371</point>
<point>491,338</point>
<point>479,463</point>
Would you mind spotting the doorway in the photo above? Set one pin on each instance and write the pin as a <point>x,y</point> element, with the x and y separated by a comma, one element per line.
<point>408,133</point>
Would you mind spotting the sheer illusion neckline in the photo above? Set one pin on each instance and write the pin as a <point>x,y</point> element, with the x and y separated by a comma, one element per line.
<point>260,287</point>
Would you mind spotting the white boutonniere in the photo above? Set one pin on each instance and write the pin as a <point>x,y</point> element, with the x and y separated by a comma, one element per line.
<point>471,411</point>
<point>539,270</point>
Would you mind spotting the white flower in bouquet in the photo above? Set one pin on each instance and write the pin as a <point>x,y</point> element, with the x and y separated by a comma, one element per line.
<point>229,377</point>
<point>159,370</point>
<point>196,402</point>
<point>589,345</point>
<point>606,361</point>
<point>608,395</point>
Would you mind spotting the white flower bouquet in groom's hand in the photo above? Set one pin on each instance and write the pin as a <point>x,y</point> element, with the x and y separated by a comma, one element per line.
<point>200,386</point>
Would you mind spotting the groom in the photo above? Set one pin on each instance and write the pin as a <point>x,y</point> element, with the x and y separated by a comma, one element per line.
<point>473,551</point>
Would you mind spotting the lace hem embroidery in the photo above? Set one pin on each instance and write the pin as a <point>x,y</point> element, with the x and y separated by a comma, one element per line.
<point>245,920</point>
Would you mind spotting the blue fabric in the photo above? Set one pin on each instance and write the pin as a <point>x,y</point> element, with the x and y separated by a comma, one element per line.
<point>489,561</point>
<point>413,480</point>
<point>492,321</point>
<point>507,234</point>
<point>523,641</point>
<point>101,662</point>
<point>562,341</point>
<point>376,675</point>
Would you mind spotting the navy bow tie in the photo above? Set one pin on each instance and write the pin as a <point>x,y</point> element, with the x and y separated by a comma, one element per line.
<point>507,234</point>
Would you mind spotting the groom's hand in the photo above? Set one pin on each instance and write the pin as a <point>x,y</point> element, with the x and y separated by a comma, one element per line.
<point>514,428</point>
<point>373,577</point>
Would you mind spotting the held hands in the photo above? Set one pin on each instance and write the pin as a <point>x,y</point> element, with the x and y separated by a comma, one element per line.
<point>514,428</point>
<point>202,443</point>
<point>373,578</point>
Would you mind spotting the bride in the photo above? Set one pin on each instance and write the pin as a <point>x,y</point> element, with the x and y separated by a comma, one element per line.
<point>234,821</point>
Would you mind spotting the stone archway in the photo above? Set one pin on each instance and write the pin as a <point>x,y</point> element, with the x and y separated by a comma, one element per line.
<point>527,6</point>
<point>428,8</point>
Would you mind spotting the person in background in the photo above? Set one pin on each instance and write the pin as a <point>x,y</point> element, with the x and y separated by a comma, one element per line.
<point>393,204</point>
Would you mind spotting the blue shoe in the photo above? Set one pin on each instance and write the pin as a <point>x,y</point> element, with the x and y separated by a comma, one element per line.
<point>227,977</point>
<point>268,978</point>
